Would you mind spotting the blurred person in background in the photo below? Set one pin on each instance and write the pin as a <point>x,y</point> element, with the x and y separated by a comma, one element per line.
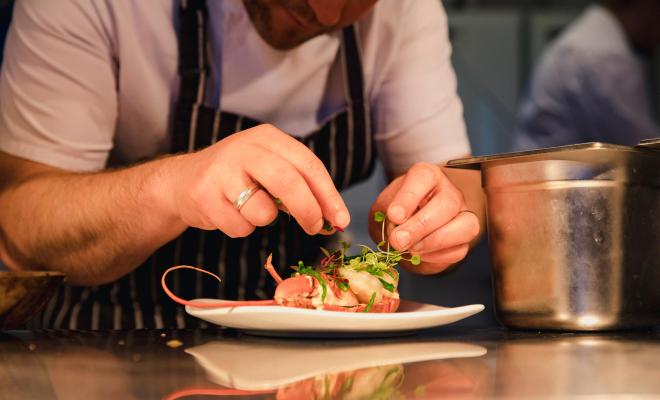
<point>591,83</point>
<point>131,140</point>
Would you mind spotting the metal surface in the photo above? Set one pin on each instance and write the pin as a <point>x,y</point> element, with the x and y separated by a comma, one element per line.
<point>461,364</point>
<point>596,152</point>
<point>653,144</point>
<point>575,236</point>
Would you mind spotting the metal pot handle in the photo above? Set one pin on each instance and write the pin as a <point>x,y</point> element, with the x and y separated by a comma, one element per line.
<point>652,144</point>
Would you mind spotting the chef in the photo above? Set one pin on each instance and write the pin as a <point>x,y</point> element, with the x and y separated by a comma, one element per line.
<point>139,135</point>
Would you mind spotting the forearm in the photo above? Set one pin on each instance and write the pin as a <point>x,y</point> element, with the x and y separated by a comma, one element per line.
<point>93,227</point>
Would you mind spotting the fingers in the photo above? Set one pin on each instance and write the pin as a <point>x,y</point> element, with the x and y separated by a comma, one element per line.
<point>282,180</point>
<point>289,172</point>
<point>225,217</point>
<point>438,261</point>
<point>259,209</point>
<point>436,213</point>
<point>207,209</point>
<point>459,231</point>
<point>312,170</point>
<point>447,256</point>
<point>418,185</point>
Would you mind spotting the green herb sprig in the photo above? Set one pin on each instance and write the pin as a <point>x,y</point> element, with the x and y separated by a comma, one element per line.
<point>308,270</point>
<point>371,302</point>
<point>395,255</point>
<point>380,262</point>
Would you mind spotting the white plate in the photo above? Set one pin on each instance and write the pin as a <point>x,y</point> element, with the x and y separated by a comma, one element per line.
<point>411,316</point>
<point>231,363</point>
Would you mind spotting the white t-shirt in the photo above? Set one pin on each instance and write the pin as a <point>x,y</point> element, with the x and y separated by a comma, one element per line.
<point>86,84</point>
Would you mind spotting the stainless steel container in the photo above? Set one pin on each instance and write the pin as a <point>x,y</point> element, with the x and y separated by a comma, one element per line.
<point>574,234</point>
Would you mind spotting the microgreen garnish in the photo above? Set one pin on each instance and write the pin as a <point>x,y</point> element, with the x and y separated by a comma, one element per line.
<point>304,270</point>
<point>371,302</point>
<point>343,286</point>
<point>388,286</point>
<point>383,246</point>
<point>380,263</point>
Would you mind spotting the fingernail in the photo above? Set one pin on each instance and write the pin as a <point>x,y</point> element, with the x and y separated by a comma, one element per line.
<point>417,247</point>
<point>403,237</point>
<point>318,226</point>
<point>342,219</point>
<point>397,213</point>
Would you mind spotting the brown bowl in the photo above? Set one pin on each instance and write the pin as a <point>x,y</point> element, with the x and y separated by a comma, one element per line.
<point>23,294</point>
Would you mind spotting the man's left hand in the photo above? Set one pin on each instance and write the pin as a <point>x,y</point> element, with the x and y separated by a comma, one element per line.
<point>426,216</point>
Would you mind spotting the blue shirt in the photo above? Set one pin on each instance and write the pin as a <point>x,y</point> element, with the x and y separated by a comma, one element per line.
<point>589,86</point>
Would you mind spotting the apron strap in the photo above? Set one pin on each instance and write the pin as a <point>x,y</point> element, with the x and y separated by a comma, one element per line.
<point>358,106</point>
<point>352,64</point>
<point>193,71</point>
<point>193,62</point>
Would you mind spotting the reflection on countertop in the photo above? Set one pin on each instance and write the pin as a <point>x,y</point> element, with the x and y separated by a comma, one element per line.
<point>477,364</point>
<point>317,370</point>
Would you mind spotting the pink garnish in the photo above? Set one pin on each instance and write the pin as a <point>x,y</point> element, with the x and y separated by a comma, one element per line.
<point>218,304</point>
<point>271,270</point>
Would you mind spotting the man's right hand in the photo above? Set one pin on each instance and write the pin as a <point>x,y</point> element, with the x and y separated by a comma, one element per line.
<point>200,188</point>
<point>96,227</point>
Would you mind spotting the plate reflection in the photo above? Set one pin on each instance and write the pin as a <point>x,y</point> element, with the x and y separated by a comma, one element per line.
<point>288,370</point>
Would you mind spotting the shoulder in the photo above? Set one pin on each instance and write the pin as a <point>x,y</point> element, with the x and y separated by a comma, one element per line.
<point>594,36</point>
<point>592,47</point>
<point>88,21</point>
<point>402,17</point>
<point>62,16</point>
<point>394,27</point>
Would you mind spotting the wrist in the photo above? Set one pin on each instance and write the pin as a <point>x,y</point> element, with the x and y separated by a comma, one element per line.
<point>157,191</point>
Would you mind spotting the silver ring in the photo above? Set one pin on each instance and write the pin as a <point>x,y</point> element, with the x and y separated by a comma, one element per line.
<point>245,195</point>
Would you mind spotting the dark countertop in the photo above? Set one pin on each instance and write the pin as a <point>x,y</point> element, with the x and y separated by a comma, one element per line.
<point>458,363</point>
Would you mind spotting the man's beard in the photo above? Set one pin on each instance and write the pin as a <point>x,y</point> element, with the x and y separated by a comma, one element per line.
<point>281,38</point>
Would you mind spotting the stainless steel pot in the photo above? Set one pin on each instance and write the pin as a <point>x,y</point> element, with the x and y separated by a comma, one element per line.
<point>574,234</point>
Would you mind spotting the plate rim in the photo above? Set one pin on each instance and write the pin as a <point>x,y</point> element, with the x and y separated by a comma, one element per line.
<point>426,323</point>
<point>335,314</point>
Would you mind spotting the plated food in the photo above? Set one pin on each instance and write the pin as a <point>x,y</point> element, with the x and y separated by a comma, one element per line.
<point>366,282</point>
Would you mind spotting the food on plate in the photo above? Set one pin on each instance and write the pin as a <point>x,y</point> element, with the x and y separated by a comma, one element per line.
<point>366,282</point>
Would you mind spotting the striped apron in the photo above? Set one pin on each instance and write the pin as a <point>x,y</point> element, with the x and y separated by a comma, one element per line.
<point>344,143</point>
